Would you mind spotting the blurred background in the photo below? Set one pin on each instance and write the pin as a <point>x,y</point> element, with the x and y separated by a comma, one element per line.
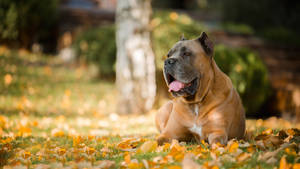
<point>102,58</point>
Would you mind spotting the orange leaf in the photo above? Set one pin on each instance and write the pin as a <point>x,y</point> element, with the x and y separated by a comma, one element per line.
<point>296,166</point>
<point>127,158</point>
<point>166,146</point>
<point>233,147</point>
<point>214,167</point>
<point>174,167</point>
<point>90,150</point>
<point>26,154</point>
<point>283,164</point>
<point>290,132</point>
<point>135,165</point>
<point>147,147</point>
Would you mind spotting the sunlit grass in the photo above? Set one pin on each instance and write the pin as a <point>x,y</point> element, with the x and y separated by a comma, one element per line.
<point>57,115</point>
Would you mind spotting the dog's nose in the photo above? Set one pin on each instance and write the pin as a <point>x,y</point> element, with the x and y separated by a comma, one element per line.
<point>170,61</point>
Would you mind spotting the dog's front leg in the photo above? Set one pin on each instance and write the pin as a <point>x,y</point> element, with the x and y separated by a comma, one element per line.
<point>174,129</point>
<point>163,115</point>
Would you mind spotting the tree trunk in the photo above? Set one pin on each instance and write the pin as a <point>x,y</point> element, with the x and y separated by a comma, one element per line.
<point>135,70</point>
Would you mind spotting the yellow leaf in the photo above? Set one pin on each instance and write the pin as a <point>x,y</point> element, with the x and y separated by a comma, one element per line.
<point>61,151</point>
<point>24,130</point>
<point>26,154</point>
<point>147,147</point>
<point>166,146</point>
<point>233,147</point>
<point>3,121</point>
<point>290,151</point>
<point>283,164</point>
<point>68,92</point>
<point>173,15</point>
<point>129,143</point>
<point>267,132</point>
<point>127,158</point>
<point>7,79</point>
<point>77,140</point>
<point>135,165</point>
<point>90,150</point>
<point>57,133</point>
<point>175,145</point>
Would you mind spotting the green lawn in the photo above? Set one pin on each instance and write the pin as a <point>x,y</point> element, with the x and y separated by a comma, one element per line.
<point>55,115</point>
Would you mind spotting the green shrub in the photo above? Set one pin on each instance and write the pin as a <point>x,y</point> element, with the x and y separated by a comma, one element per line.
<point>27,20</point>
<point>275,20</point>
<point>244,67</point>
<point>98,46</point>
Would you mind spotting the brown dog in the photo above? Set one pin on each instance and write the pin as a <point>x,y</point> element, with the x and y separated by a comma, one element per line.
<point>206,105</point>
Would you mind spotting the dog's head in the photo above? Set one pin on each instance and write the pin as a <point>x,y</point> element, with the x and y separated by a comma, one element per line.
<point>188,63</point>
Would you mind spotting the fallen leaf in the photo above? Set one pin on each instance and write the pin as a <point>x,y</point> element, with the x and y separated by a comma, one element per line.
<point>296,166</point>
<point>7,79</point>
<point>147,147</point>
<point>283,164</point>
<point>233,147</point>
<point>127,158</point>
<point>271,154</point>
<point>174,167</point>
<point>267,132</point>
<point>243,157</point>
<point>105,164</point>
<point>189,163</point>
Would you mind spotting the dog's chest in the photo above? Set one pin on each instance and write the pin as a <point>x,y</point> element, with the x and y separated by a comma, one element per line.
<point>196,128</point>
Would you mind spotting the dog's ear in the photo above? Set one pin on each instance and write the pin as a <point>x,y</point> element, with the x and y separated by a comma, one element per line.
<point>206,44</point>
<point>182,38</point>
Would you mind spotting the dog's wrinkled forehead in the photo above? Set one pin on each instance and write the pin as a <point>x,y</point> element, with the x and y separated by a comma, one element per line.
<point>201,45</point>
<point>179,49</point>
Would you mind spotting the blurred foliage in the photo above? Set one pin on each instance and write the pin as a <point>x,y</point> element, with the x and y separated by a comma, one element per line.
<point>98,46</point>
<point>26,21</point>
<point>281,35</point>
<point>245,68</point>
<point>247,73</point>
<point>273,19</point>
<point>238,28</point>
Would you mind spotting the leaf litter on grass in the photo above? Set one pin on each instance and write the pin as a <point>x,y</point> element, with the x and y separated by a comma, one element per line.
<point>56,120</point>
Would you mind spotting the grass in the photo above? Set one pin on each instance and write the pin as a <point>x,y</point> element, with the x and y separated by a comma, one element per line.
<point>58,115</point>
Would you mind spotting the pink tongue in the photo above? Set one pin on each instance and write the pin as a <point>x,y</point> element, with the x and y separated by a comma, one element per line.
<point>176,86</point>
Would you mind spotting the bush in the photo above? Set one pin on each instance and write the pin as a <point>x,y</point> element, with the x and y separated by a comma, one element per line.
<point>98,46</point>
<point>272,19</point>
<point>244,67</point>
<point>26,21</point>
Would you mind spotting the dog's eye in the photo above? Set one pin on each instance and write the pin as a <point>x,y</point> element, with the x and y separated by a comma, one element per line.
<point>186,53</point>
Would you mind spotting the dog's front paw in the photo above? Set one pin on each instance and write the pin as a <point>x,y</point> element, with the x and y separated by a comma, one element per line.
<point>162,139</point>
<point>215,138</point>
